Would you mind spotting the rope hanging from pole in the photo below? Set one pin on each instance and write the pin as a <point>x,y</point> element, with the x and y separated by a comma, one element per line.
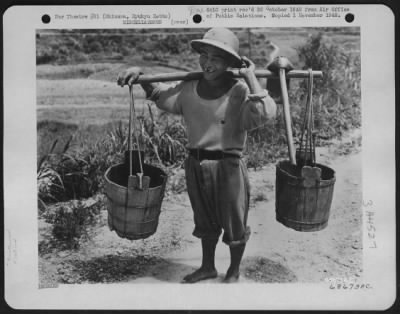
<point>307,143</point>
<point>132,117</point>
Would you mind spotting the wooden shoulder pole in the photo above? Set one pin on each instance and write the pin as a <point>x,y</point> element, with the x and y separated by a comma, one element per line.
<point>188,76</point>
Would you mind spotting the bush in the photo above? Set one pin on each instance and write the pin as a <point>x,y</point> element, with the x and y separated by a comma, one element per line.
<point>78,56</point>
<point>77,174</point>
<point>164,141</point>
<point>337,95</point>
<point>44,55</point>
<point>71,219</point>
<point>172,44</point>
<point>265,144</point>
<point>49,180</point>
<point>94,46</point>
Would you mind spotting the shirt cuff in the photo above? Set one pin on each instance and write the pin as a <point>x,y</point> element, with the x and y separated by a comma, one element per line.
<point>155,94</point>
<point>258,96</point>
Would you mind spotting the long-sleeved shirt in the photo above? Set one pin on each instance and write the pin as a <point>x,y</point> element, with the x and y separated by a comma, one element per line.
<point>217,124</point>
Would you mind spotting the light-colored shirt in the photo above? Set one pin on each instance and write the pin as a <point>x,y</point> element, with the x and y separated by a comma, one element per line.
<point>217,124</point>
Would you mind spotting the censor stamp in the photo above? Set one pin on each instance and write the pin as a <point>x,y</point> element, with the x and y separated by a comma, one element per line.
<point>133,133</point>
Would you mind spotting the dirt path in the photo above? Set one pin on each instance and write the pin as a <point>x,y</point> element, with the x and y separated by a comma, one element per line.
<point>274,252</point>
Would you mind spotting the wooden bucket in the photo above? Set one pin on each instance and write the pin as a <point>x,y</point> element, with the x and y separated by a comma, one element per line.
<point>299,206</point>
<point>133,213</point>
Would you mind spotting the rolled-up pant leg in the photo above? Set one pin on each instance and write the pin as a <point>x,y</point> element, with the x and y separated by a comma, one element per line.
<point>219,195</point>
<point>200,181</point>
<point>233,200</point>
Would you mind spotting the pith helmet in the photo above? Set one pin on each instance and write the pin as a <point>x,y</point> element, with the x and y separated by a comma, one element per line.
<point>221,38</point>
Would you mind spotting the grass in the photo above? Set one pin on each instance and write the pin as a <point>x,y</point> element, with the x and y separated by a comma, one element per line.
<point>74,166</point>
<point>80,92</point>
<point>57,72</point>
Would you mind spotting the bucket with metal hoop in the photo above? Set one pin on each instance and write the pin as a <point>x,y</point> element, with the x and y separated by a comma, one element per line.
<point>303,200</point>
<point>135,191</point>
<point>304,188</point>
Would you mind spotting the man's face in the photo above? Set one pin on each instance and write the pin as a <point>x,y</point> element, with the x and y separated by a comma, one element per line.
<point>213,62</point>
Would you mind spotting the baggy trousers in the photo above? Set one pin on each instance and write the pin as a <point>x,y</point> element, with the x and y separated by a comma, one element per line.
<point>219,193</point>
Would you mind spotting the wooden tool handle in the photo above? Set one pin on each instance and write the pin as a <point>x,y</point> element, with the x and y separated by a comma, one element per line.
<point>288,120</point>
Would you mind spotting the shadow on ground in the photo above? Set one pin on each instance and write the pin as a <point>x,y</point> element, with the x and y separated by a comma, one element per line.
<point>117,268</point>
<point>261,269</point>
<point>106,269</point>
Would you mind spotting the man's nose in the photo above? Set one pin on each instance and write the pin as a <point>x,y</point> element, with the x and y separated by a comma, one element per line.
<point>207,63</point>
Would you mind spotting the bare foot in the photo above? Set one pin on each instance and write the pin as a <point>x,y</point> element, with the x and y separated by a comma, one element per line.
<point>200,274</point>
<point>231,276</point>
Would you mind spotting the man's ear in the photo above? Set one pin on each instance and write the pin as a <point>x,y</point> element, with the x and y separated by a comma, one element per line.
<point>232,62</point>
<point>235,63</point>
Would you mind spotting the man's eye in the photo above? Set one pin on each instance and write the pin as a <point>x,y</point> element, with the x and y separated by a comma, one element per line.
<point>216,59</point>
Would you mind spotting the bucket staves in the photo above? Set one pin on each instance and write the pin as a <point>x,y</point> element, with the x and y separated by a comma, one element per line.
<point>299,206</point>
<point>133,214</point>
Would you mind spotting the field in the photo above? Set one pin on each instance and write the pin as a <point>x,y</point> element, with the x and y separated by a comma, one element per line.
<point>82,125</point>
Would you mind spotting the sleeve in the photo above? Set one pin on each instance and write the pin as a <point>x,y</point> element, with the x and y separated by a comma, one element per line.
<point>256,109</point>
<point>166,97</point>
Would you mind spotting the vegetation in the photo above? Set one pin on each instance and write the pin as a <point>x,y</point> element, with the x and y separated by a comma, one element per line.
<point>71,220</point>
<point>76,172</point>
<point>73,158</point>
<point>337,95</point>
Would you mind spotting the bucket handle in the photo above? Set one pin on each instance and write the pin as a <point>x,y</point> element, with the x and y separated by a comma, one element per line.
<point>132,116</point>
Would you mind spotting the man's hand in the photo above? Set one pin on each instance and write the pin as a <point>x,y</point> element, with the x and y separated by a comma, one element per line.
<point>249,76</point>
<point>249,66</point>
<point>129,76</point>
<point>274,85</point>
